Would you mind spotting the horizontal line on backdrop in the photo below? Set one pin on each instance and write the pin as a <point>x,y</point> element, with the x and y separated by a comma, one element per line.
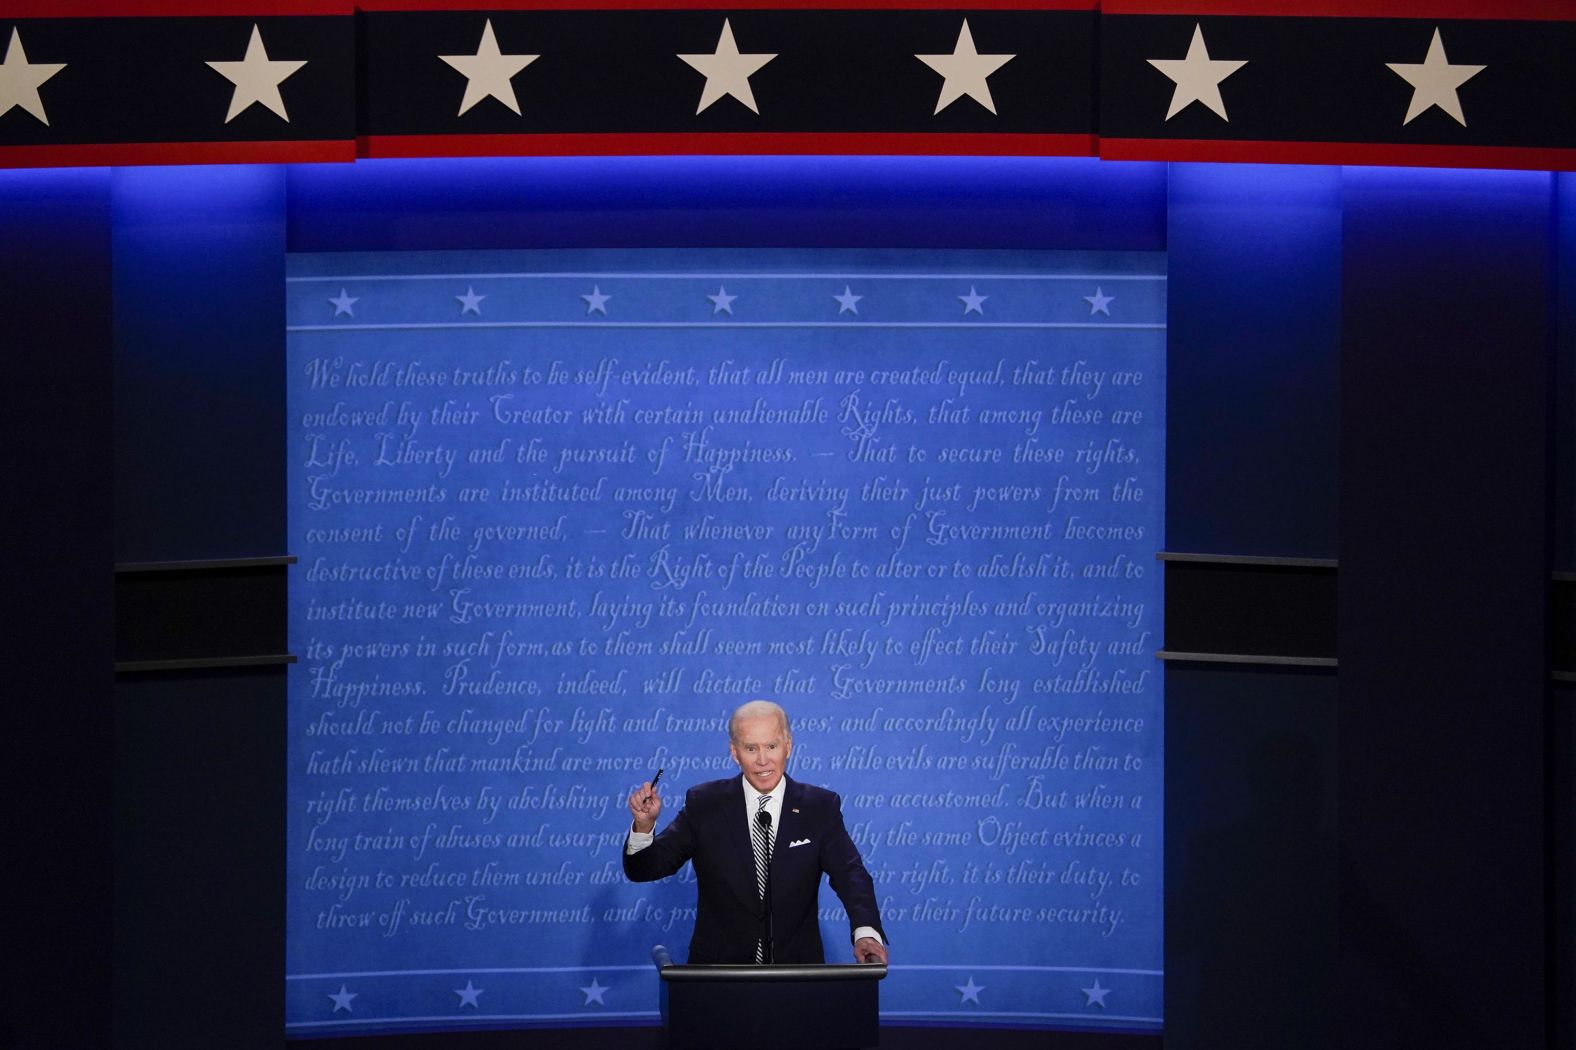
<point>485,969</point>
<point>1267,561</point>
<point>830,276</point>
<point>427,326</point>
<point>964,1016</point>
<point>471,1018</point>
<point>964,968</point>
<point>1246,658</point>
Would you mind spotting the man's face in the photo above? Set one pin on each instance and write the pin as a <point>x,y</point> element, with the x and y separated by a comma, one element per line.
<point>761,751</point>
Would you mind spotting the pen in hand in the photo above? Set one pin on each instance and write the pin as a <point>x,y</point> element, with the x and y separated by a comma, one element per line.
<point>653,785</point>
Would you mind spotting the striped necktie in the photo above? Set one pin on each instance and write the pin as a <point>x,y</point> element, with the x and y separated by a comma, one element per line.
<point>763,859</point>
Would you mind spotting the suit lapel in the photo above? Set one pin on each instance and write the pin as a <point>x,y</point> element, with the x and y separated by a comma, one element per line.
<point>739,845</point>
<point>788,824</point>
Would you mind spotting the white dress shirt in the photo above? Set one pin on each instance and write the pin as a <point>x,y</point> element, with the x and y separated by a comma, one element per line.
<point>774,806</point>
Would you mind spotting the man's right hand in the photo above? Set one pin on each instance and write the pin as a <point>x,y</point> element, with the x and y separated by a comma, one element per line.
<point>644,805</point>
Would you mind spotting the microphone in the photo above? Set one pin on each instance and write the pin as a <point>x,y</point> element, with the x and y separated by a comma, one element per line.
<point>764,820</point>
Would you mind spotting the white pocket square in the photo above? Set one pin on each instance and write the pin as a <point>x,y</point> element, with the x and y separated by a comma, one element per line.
<point>798,842</point>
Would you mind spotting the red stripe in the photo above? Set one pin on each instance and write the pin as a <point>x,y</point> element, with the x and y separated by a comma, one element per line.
<point>727,5</point>
<point>809,143</point>
<point>1489,10</point>
<point>708,143</point>
<point>1431,10</point>
<point>101,155</point>
<point>173,8</point>
<point>1418,156</point>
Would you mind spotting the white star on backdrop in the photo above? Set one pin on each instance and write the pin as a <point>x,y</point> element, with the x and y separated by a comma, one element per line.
<point>1095,996</point>
<point>470,302</point>
<point>593,993</point>
<point>965,71</point>
<point>727,72</point>
<point>20,79</point>
<point>488,72</point>
<point>596,302</point>
<point>1098,303</point>
<point>848,302</point>
<point>1434,81</point>
<point>342,999</point>
<point>1197,77</point>
<point>468,995</point>
<point>973,303</point>
<point>971,992</point>
<point>256,78</point>
<point>345,303</point>
<point>722,302</point>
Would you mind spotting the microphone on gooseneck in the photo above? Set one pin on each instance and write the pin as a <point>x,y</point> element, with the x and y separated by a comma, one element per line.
<point>764,819</point>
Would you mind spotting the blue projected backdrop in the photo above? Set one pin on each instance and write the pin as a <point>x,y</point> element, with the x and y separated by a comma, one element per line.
<point>559,513</point>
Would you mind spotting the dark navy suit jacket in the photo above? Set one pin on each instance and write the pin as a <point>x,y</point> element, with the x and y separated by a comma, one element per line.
<point>712,832</point>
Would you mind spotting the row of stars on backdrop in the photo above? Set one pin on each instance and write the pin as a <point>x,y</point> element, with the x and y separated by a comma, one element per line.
<point>489,73</point>
<point>594,992</point>
<point>596,300</point>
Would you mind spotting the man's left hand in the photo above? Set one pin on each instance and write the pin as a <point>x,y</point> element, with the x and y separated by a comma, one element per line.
<point>869,950</point>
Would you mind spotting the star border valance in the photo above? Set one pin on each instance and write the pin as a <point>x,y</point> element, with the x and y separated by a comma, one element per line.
<point>1462,83</point>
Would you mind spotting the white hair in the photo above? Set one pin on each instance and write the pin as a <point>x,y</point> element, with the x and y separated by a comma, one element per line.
<point>758,709</point>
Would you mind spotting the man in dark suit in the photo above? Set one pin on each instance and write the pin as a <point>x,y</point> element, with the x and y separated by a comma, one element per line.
<point>720,831</point>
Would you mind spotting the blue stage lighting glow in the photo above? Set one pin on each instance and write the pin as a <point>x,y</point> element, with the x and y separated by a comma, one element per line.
<point>1476,180</point>
<point>20,185</point>
<point>976,202</point>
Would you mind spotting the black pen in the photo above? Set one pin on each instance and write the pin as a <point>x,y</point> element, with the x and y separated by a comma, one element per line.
<point>653,785</point>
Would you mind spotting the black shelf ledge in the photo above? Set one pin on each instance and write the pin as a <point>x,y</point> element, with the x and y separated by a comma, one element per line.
<point>1249,608</point>
<point>200,614</point>
<point>1262,660</point>
<point>204,663</point>
<point>1247,559</point>
<point>206,564</point>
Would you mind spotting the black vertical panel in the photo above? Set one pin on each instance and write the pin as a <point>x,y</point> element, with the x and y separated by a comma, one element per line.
<point>1253,332</point>
<point>199,836</point>
<point>1563,736</point>
<point>199,362</point>
<point>1445,391</point>
<point>1254,317</point>
<point>1562,847</point>
<point>199,764</point>
<point>58,606</point>
<point>1250,857</point>
<point>1565,373</point>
